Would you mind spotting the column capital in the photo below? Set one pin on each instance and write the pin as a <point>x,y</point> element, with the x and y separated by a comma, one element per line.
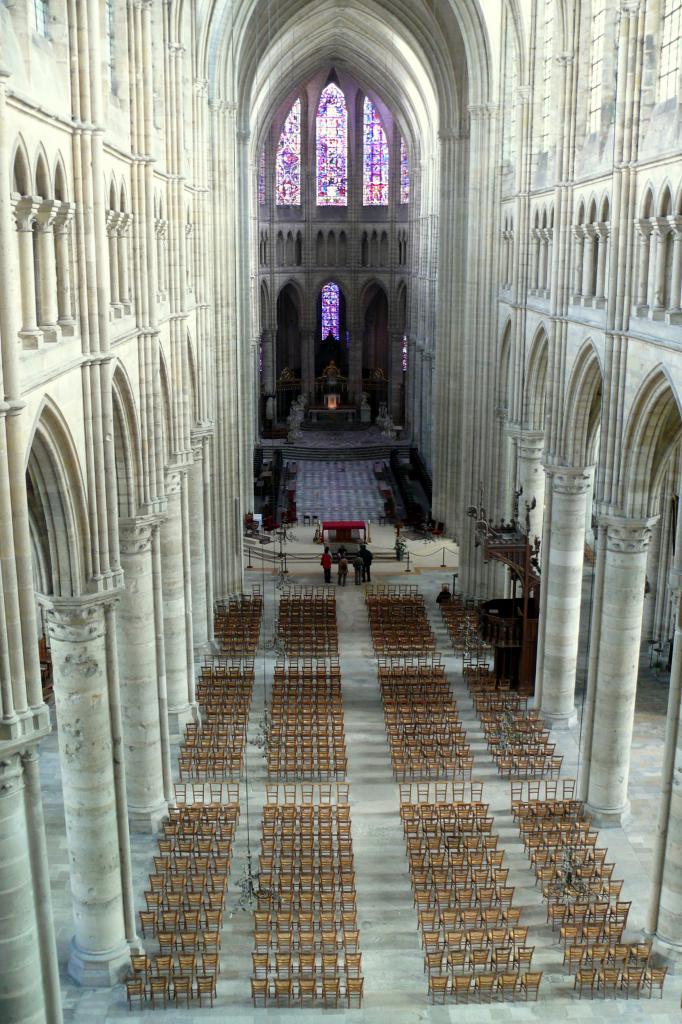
<point>660,226</point>
<point>675,223</point>
<point>111,222</point>
<point>64,216</point>
<point>11,775</point>
<point>630,7</point>
<point>77,618</point>
<point>135,535</point>
<point>569,479</point>
<point>644,226</point>
<point>530,443</point>
<point>25,209</point>
<point>46,213</point>
<point>625,535</point>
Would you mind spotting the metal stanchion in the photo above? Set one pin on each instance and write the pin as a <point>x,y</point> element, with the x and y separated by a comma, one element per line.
<point>442,564</point>
<point>248,548</point>
<point>408,563</point>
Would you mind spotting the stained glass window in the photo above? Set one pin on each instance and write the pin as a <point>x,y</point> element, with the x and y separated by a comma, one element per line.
<point>109,16</point>
<point>404,173</point>
<point>261,178</point>
<point>332,148</point>
<point>375,157</point>
<point>288,169</point>
<point>596,65</point>
<point>404,355</point>
<point>40,17</point>
<point>546,71</point>
<point>331,311</point>
<point>671,44</point>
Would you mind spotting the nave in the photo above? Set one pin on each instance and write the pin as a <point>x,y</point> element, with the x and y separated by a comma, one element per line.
<point>392,957</point>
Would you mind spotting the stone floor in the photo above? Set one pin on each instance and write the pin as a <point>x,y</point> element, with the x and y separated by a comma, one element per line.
<point>338,490</point>
<point>395,984</point>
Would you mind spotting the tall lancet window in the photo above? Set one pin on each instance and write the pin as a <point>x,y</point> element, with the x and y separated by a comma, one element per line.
<point>596,65</point>
<point>261,178</point>
<point>671,44</point>
<point>332,148</point>
<point>375,158</point>
<point>404,173</point>
<point>288,166</point>
<point>331,311</point>
<point>546,72</point>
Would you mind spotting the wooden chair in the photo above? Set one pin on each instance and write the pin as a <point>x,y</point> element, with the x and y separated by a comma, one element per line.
<point>259,991</point>
<point>354,991</point>
<point>307,989</point>
<point>158,989</point>
<point>585,978</point>
<point>654,977</point>
<point>206,988</point>
<point>507,986</point>
<point>182,988</point>
<point>608,980</point>
<point>136,989</point>
<point>529,984</point>
<point>330,992</point>
<point>461,987</point>
<point>632,980</point>
<point>438,986</point>
<point>283,991</point>
<point>485,986</point>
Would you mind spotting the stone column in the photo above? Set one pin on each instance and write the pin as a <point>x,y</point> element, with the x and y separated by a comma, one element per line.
<point>62,244</point>
<point>113,218</point>
<point>602,235</point>
<point>21,982</point>
<point>308,363</point>
<point>588,261</point>
<point>47,270</point>
<point>661,230</point>
<point>531,476</point>
<point>25,209</point>
<point>676,269</point>
<point>138,676</point>
<point>643,231</point>
<point>99,951</point>
<point>174,624</point>
<point>396,374</point>
<point>617,666</point>
<point>664,919</point>
<point>197,543</point>
<point>578,257</point>
<point>562,580</point>
<point>122,230</point>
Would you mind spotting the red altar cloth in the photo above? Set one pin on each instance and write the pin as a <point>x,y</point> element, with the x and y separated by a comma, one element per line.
<point>343,524</point>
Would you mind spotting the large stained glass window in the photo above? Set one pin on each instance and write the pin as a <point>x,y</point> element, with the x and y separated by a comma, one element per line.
<point>261,178</point>
<point>332,148</point>
<point>331,311</point>
<point>374,158</point>
<point>288,168</point>
<point>404,173</point>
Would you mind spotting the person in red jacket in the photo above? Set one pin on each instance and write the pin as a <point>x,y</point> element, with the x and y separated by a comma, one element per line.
<point>326,563</point>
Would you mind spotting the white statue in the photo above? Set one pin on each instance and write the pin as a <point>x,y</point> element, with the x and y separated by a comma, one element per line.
<point>365,410</point>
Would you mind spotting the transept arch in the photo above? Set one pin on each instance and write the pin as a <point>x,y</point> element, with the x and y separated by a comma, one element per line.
<point>127,448</point>
<point>57,505</point>
<point>654,428</point>
<point>583,406</point>
<point>536,381</point>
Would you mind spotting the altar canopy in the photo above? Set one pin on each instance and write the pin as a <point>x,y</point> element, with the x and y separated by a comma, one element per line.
<point>344,529</point>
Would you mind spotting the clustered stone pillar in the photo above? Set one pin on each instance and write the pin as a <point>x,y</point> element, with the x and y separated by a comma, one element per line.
<point>531,477</point>
<point>138,677</point>
<point>562,581</point>
<point>610,707</point>
<point>174,621</point>
<point>197,540</point>
<point>99,950</point>
<point>21,994</point>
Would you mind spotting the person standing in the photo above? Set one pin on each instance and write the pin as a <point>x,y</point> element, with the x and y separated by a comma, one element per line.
<point>358,566</point>
<point>326,563</point>
<point>444,595</point>
<point>367,559</point>
<point>343,570</point>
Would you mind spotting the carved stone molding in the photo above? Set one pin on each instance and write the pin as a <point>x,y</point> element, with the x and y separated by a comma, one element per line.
<point>569,479</point>
<point>134,536</point>
<point>11,775</point>
<point>626,536</point>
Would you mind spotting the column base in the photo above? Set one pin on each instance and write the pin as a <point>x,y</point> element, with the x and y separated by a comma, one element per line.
<point>670,953</point>
<point>560,720</point>
<point>603,817</point>
<point>99,970</point>
<point>144,819</point>
<point>178,718</point>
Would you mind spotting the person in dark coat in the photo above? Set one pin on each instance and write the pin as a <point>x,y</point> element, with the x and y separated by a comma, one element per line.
<point>358,565</point>
<point>326,563</point>
<point>444,595</point>
<point>367,559</point>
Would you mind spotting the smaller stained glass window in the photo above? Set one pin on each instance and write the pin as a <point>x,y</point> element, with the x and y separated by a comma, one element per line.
<point>375,158</point>
<point>288,169</point>
<point>261,178</point>
<point>109,15</point>
<point>40,17</point>
<point>404,173</point>
<point>331,311</point>
<point>404,355</point>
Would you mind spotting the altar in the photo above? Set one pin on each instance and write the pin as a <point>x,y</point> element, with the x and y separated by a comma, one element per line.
<point>332,413</point>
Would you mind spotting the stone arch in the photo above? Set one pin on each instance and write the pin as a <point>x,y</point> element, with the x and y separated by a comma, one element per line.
<point>653,430</point>
<point>605,209</point>
<point>504,366</point>
<point>580,216</point>
<point>536,381</point>
<point>193,381</point>
<point>61,185</point>
<point>57,506</point>
<point>647,204</point>
<point>43,178</point>
<point>127,447</point>
<point>166,410</point>
<point>583,406</point>
<point>664,207</point>
<point>21,169</point>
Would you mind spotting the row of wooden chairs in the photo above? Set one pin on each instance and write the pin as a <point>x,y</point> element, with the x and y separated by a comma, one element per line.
<point>237,623</point>
<point>178,988</point>
<point>306,736</point>
<point>306,623</point>
<point>461,622</point>
<point>306,941</point>
<point>399,623</point>
<point>617,981</point>
<point>484,987</point>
